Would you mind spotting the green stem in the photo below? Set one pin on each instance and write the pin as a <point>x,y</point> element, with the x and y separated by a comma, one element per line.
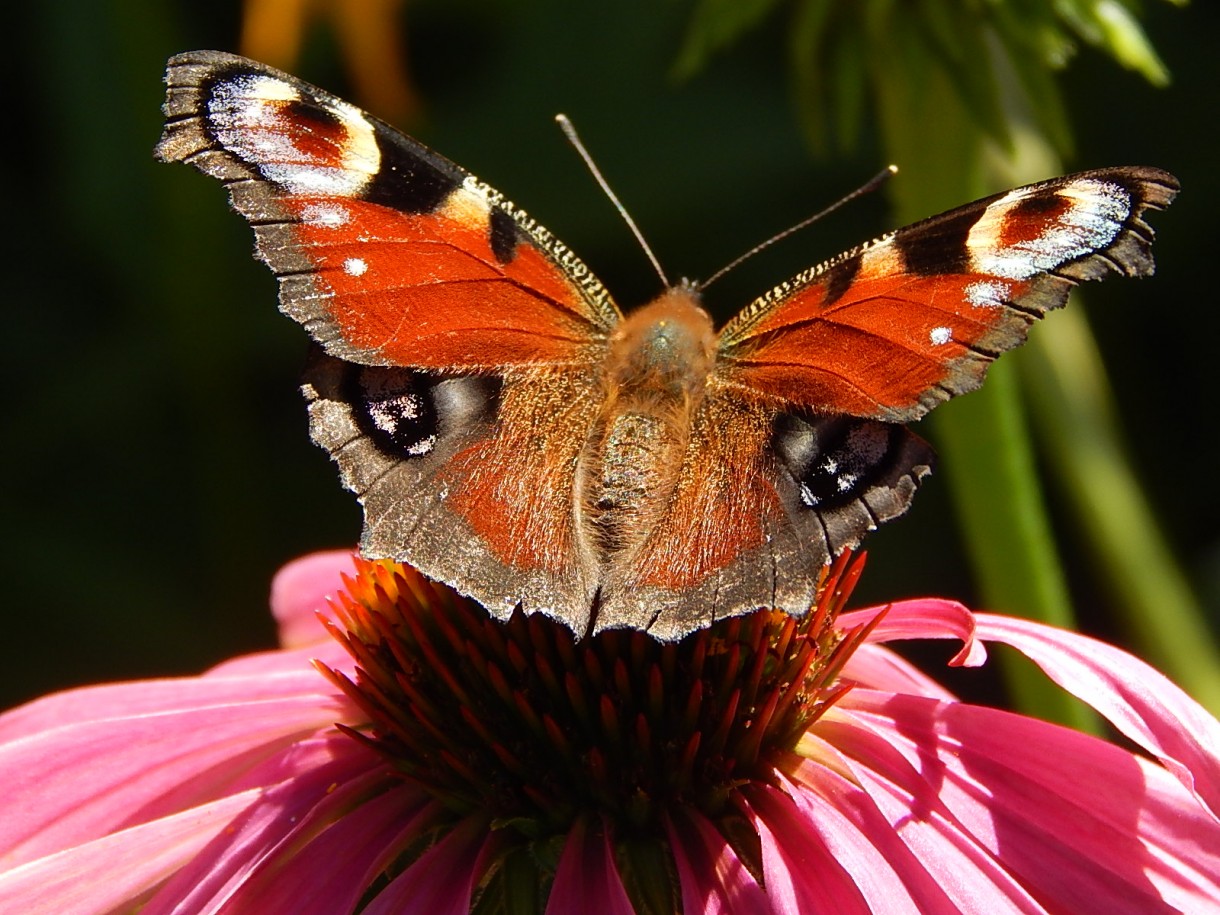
<point>1074,409</point>
<point>989,466</point>
<point>988,461</point>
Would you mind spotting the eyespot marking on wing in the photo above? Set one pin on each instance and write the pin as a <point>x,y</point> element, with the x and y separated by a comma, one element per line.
<point>298,145</point>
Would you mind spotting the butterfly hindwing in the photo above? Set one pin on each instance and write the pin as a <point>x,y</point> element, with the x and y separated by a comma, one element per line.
<point>456,474</point>
<point>894,327</point>
<point>757,514</point>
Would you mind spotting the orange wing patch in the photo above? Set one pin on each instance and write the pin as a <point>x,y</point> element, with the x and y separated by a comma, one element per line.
<point>721,504</point>
<point>877,349</point>
<point>516,489</point>
<point>427,290</point>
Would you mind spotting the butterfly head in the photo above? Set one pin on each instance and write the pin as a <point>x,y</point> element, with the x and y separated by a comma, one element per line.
<point>667,345</point>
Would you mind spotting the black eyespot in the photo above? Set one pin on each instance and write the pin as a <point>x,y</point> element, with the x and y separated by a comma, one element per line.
<point>396,408</point>
<point>835,459</point>
<point>409,413</point>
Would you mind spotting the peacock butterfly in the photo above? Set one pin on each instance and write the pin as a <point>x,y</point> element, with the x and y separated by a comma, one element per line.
<point>510,432</point>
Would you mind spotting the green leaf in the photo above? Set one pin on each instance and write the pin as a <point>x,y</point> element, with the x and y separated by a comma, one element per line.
<point>915,102</point>
<point>1122,36</point>
<point>1042,101</point>
<point>807,46</point>
<point>714,25</point>
<point>963,45</point>
<point>1111,27</point>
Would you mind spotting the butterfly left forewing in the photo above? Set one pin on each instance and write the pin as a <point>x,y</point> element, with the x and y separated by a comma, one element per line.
<point>386,252</point>
<point>894,327</point>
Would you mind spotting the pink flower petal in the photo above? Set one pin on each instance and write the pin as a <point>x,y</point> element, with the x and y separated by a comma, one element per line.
<point>1137,699</point>
<point>712,877</point>
<point>895,877</point>
<point>108,702</point>
<point>800,872</point>
<point>967,873</point>
<point>115,871</point>
<point>1083,825</point>
<point>876,667</point>
<point>587,875</point>
<point>928,618</point>
<point>140,751</point>
<point>302,588</point>
<point>330,653</point>
<point>441,881</point>
<point>302,793</point>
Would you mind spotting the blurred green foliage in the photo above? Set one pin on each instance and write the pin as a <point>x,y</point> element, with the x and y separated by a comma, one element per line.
<point>158,468</point>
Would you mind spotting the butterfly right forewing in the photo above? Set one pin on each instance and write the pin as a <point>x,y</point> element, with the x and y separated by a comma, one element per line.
<point>894,327</point>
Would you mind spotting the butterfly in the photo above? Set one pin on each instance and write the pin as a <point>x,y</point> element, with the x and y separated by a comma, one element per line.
<point>510,432</point>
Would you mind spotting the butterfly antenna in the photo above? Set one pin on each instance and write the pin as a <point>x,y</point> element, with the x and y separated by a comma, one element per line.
<point>867,188</point>
<point>570,132</point>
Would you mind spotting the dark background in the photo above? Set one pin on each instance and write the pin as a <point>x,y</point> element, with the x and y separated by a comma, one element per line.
<point>157,468</point>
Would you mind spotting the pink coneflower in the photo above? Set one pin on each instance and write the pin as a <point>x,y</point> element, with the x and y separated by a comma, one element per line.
<point>441,762</point>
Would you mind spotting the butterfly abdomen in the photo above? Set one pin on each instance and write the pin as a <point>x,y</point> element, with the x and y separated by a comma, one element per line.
<point>655,377</point>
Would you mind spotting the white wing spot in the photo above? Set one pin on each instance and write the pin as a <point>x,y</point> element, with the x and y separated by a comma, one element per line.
<point>940,335</point>
<point>987,295</point>
<point>325,215</point>
<point>388,415</point>
<point>808,497</point>
<point>355,266</point>
<point>423,446</point>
